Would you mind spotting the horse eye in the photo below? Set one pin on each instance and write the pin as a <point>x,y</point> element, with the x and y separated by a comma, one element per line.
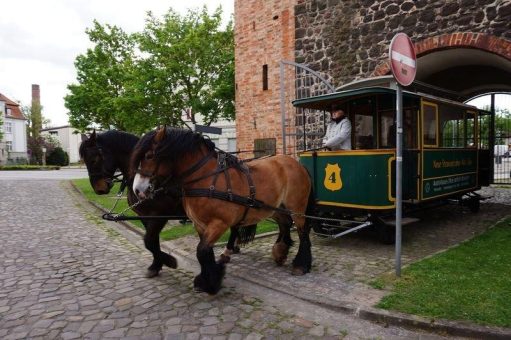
<point>96,160</point>
<point>149,156</point>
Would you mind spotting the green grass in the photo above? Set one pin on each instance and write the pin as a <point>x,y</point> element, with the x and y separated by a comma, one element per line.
<point>29,167</point>
<point>470,282</point>
<point>169,232</point>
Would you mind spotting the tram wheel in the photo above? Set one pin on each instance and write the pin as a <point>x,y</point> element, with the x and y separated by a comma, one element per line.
<point>473,204</point>
<point>386,233</point>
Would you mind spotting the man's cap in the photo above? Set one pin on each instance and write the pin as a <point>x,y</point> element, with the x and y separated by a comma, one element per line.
<point>335,107</point>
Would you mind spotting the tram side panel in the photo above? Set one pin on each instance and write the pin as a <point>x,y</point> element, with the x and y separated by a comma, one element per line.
<point>354,179</point>
<point>448,172</point>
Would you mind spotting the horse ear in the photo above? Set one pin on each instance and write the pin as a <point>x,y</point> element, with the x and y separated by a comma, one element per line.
<point>160,134</point>
<point>92,137</point>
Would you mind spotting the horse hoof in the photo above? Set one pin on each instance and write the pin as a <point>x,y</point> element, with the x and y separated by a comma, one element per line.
<point>224,259</point>
<point>201,286</point>
<point>298,271</point>
<point>236,250</point>
<point>280,261</point>
<point>279,253</point>
<point>212,283</point>
<point>170,261</point>
<point>151,273</point>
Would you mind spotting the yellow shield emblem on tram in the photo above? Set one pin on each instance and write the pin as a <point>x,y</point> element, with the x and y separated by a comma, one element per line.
<point>333,181</point>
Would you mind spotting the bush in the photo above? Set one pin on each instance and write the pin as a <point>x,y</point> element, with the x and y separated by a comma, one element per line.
<point>57,157</point>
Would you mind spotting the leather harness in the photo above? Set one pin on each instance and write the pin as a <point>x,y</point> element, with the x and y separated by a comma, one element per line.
<point>225,161</point>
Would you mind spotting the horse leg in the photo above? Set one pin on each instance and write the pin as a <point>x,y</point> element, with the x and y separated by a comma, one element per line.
<point>152,243</point>
<point>303,260</point>
<point>236,238</point>
<point>210,278</point>
<point>284,242</point>
<point>231,247</point>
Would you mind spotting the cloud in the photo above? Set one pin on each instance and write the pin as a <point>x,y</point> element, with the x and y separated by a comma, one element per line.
<point>41,39</point>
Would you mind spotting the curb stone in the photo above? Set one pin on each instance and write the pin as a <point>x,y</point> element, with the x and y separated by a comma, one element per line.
<point>382,316</point>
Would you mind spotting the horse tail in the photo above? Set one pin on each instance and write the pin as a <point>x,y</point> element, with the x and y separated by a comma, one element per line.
<point>246,234</point>
<point>311,202</point>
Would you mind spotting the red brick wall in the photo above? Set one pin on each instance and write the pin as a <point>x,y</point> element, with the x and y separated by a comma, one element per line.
<point>480,41</point>
<point>264,34</point>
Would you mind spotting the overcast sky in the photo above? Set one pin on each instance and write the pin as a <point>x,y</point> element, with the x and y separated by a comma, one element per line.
<point>40,40</point>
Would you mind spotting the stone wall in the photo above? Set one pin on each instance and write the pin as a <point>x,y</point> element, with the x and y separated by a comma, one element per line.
<point>345,40</point>
<point>350,38</point>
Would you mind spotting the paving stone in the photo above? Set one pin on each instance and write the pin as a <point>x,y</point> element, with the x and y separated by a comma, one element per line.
<point>176,329</point>
<point>78,277</point>
<point>318,331</point>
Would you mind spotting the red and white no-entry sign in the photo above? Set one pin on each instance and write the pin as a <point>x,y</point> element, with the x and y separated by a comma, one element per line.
<point>403,61</point>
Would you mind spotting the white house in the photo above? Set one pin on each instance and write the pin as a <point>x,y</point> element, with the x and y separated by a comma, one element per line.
<point>13,146</point>
<point>225,141</point>
<point>69,139</point>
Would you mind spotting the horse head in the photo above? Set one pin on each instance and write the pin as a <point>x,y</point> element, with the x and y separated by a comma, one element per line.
<point>145,165</point>
<point>100,163</point>
<point>161,157</point>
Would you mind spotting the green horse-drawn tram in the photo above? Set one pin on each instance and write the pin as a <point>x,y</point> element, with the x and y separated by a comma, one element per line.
<point>444,158</point>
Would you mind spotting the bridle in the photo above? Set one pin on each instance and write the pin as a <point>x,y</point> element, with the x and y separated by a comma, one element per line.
<point>173,181</point>
<point>109,178</point>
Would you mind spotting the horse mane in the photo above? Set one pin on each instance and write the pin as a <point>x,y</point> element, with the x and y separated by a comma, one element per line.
<point>176,144</point>
<point>112,140</point>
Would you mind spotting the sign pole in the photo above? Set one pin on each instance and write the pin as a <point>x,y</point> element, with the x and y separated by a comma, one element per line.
<point>399,175</point>
<point>403,64</point>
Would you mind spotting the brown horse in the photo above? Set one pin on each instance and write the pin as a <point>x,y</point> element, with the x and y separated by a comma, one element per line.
<point>219,191</point>
<point>104,154</point>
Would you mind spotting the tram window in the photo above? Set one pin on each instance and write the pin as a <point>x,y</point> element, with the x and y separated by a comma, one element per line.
<point>363,125</point>
<point>471,129</point>
<point>452,127</point>
<point>429,124</point>
<point>452,134</point>
<point>458,128</point>
<point>409,128</point>
<point>387,129</point>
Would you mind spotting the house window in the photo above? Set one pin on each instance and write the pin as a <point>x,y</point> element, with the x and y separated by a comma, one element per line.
<point>231,144</point>
<point>215,141</point>
<point>54,133</point>
<point>8,146</point>
<point>9,111</point>
<point>8,127</point>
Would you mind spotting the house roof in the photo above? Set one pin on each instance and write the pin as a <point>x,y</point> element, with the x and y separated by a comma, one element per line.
<point>15,112</point>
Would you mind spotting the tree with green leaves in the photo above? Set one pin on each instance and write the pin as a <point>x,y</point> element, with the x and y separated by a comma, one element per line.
<point>135,82</point>
<point>189,64</point>
<point>35,119</point>
<point>103,75</point>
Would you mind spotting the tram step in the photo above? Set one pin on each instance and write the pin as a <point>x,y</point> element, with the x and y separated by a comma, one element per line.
<point>404,221</point>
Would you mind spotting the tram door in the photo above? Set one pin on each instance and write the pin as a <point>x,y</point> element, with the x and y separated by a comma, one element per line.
<point>387,140</point>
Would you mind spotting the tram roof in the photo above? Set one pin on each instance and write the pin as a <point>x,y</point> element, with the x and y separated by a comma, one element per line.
<point>325,101</point>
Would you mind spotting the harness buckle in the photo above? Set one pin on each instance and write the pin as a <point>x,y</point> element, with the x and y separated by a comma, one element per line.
<point>211,190</point>
<point>229,194</point>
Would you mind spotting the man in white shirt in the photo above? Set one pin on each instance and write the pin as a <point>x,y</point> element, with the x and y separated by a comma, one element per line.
<point>338,131</point>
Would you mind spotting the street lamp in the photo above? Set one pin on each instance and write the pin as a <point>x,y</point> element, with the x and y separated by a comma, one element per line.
<point>44,155</point>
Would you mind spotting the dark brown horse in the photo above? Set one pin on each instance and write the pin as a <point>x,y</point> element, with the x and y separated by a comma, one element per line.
<point>110,151</point>
<point>220,191</point>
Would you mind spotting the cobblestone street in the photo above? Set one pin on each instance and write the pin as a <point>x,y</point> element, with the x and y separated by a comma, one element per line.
<point>344,267</point>
<point>67,274</point>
